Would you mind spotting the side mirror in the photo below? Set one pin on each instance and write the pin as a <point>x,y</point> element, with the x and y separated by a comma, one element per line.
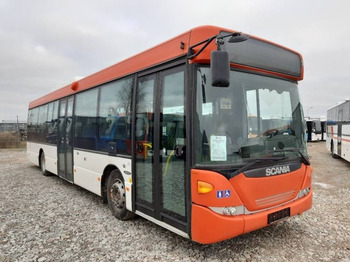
<point>220,68</point>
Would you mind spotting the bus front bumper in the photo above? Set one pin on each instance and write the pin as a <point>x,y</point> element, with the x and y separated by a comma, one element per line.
<point>210,227</point>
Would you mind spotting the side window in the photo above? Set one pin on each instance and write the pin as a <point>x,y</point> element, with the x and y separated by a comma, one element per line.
<point>115,115</point>
<point>32,124</point>
<point>55,123</point>
<point>41,123</point>
<point>85,135</point>
<point>51,123</point>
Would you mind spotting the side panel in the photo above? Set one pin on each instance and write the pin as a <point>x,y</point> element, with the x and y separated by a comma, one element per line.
<point>50,158</point>
<point>50,151</point>
<point>345,143</point>
<point>33,152</point>
<point>89,167</point>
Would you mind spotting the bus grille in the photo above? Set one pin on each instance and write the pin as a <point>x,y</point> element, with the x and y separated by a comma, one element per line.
<point>271,200</point>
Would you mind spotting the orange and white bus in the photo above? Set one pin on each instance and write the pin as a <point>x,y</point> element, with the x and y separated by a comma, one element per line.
<point>203,134</point>
<point>338,130</point>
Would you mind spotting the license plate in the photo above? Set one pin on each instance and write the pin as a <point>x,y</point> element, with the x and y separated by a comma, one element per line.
<point>278,215</point>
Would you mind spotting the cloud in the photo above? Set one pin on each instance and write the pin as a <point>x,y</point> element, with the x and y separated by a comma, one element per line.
<point>45,44</point>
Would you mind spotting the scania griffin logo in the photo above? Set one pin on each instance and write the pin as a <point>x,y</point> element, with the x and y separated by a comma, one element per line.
<point>277,170</point>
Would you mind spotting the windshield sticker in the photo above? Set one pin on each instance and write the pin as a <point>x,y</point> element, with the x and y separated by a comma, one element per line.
<point>225,103</point>
<point>218,148</point>
<point>207,109</point>
<point>174,110</point>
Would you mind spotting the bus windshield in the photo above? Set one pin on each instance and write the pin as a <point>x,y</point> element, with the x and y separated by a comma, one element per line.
<point>255,117</point>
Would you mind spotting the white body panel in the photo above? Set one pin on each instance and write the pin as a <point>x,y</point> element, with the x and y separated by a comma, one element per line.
<point>343,141</point>
<point>88,167</point>
<point>316,137</point>
<point>345,144</point>
<point>33,150</point>
<point>50,151</point>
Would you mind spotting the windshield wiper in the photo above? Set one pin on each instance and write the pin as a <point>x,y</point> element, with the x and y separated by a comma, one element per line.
<point>256,161</point>
<point>305,160</point>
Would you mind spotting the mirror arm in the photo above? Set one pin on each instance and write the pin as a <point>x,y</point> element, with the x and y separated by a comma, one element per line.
<point>190,54</point>
<point>219,42</point>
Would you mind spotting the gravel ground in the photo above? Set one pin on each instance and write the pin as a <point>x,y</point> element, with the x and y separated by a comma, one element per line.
<point>48,219</point>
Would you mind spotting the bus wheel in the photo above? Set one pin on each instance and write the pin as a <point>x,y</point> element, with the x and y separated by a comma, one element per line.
<point>43,165</point>
<point>116,196</point>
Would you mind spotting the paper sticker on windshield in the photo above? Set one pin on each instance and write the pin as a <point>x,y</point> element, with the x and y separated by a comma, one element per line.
<point>225,103</point>
<point>207,109</point>
<point>218,148</point>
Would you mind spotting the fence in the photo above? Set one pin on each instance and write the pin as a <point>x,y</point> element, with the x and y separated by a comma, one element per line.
<point>11,140</point>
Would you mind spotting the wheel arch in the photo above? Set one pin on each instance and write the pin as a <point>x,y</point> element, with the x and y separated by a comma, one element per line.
<point>41,151</point>
<point>106,172</point>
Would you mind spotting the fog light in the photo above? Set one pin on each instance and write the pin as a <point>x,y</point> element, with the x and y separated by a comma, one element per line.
<point>227,211</point>
<point>233,210</point>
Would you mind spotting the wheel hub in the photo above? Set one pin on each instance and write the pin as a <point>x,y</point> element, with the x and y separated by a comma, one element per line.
<point>117,194</point>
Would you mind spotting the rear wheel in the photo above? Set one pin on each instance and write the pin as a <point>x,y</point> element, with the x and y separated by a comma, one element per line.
<point>116,196</point>
<point>43,165</point>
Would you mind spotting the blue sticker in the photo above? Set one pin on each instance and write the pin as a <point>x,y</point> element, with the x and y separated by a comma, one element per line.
<point>220,194</point>
<point>227,193</point>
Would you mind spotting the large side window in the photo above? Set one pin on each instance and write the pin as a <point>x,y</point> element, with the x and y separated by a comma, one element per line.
<point>115,116</point>
<point>41,131</point>
<point>32,124</point>
<point>29,125</point>
<point>85,133</point>
<point>51,123</point>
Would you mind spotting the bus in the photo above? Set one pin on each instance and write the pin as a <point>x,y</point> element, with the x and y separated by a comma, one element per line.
<point>314,130</point>
<point>324,129</point>
<point>203,135</point>
<point>338,130</point>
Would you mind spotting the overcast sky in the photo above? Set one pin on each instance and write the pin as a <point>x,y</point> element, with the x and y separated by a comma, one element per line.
<point>45,45</point>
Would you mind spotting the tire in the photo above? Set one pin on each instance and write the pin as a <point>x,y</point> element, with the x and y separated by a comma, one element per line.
<point>116,196</point>
<point>43,165</point>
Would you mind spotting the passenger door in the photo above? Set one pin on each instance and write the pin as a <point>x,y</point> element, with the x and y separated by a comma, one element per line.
<point>65,139</point>
<point>160,146</point>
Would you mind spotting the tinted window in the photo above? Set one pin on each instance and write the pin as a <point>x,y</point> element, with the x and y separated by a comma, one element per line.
<point>114,115</point>
<point>264,55</point>
<point>41,130</point>
<point>85,135</point>
<point>32,124</point>
<point>51,123</point>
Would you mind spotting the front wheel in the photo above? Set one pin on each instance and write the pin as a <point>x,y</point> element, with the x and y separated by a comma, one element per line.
<point>116,196</point>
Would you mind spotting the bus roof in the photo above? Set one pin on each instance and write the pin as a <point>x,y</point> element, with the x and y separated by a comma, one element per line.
<point>174,48</point>
<point>340,104</point>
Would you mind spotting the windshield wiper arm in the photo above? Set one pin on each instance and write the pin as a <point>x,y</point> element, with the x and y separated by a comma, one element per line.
<point>294,149</point>
<point>256,161</point>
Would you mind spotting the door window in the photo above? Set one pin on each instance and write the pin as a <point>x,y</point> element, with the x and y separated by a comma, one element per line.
<point>172,142</point>
<point>144,139</point>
